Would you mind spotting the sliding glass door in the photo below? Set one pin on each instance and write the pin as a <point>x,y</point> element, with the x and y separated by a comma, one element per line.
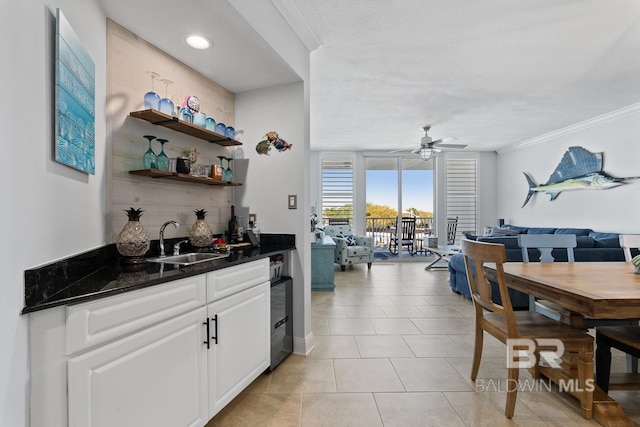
<point>398,187</point>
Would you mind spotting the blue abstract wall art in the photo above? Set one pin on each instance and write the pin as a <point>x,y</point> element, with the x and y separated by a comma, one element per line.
<point>74,100</point>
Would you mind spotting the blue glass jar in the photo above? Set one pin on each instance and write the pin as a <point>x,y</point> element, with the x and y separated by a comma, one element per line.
<point>151,101</point>
<point>199,119</point>
<point>166,106</point>
<point>230,132</point>
<point>210,124</point>
<point>221,128</point>
<point>185,114</point>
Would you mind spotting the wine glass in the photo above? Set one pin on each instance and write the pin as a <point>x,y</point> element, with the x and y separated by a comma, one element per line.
<point>151,98</point>
<point>166,105</point>
<point>227,175</point>
<point>162,160</point>
<point>177,101</point>
<point>149,159</point>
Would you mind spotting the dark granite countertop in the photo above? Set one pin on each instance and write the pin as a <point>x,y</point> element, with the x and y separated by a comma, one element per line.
<point>101,273</point>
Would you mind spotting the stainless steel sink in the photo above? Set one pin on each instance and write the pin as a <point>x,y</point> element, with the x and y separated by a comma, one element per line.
<point>187,259</point>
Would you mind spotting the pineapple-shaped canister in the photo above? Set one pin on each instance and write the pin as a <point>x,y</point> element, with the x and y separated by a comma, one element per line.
<point>200,235</point>
<point>133,241</point>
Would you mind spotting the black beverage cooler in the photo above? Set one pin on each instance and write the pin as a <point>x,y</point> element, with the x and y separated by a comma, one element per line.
<point>281,320</point>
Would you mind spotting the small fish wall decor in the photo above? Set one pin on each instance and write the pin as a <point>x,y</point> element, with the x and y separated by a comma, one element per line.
<point>271,139</point>
<point>579,169</point>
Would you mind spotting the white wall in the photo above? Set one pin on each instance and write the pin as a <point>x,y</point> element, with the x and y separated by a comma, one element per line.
<point>612,210</point>
<point>271,178</point>
<point>49,211</point>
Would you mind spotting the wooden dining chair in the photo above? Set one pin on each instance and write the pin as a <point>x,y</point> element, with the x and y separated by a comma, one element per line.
<point>505,324</point>
<point>545,243</point>
<point>626,339</point>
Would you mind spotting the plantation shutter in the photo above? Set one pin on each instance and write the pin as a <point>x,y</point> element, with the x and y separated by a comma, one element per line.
<point>337,190</point>
<point>462,193</point>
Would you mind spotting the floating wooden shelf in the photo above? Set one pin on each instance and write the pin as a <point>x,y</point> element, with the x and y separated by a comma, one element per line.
<point>154,173</point>
<point>161,119</point>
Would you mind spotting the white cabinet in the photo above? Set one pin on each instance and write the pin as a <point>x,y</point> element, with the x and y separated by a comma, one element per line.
<point>240,343</point>
<point>239,316</point>
<point>156,377</point>
<point>169,355</point>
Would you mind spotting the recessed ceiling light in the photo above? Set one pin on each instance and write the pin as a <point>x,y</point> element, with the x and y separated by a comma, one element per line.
<point>197,42</point>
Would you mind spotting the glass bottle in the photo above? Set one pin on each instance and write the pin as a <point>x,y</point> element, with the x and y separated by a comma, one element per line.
<point>256,230</point>
<point>232,227</point>
<point>149,158</point>
<point>166,104</point>
<point>151,98</point>
<point>162,161</point>
<point>240,229</point>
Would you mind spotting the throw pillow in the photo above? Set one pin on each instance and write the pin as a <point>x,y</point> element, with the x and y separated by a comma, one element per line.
<point>502,232</point>
<point>351,240</point>
<point>487,230</point>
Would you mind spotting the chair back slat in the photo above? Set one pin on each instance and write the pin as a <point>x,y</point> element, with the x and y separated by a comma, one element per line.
<point>408,229</point>
<point>545,243</point>
<point>476,254</point>
<point>628,242</point>
<point>452,227</point>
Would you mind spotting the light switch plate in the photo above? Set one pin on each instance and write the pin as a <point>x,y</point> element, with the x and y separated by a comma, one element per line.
<point>293,201</point>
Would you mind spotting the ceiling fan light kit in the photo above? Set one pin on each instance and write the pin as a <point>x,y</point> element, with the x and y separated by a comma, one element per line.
<point>428,150</point>
<point>428,153</point>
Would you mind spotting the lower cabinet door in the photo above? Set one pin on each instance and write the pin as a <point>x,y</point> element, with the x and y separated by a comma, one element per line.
<point>239,327</point>
<point>156,377</point>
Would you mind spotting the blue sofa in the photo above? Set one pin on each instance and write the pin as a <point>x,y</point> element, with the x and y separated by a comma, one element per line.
<point>592,246</point>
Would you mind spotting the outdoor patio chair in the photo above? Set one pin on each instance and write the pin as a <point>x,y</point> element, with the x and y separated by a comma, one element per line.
<point>452,227</point>
<point>403,236</point>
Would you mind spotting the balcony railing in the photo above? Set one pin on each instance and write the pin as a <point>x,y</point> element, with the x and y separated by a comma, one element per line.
<point>381,229</point>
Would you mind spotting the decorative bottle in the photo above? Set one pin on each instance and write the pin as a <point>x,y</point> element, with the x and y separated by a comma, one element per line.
<point>232,230</point>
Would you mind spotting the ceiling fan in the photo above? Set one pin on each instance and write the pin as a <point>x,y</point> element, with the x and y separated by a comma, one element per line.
<point>429,148</point>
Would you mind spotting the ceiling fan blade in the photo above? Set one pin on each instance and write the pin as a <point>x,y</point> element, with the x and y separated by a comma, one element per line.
<point>450,145</point>
<point>400,150</point>
<point>444,140</point>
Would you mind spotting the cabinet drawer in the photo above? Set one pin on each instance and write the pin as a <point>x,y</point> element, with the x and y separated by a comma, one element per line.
<point>222,283</point>
<point>97,322</point>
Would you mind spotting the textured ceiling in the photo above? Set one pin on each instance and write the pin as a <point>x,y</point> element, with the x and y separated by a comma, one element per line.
<point>490,72</point>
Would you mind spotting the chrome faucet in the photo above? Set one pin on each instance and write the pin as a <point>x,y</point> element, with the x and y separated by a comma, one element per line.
<point>176,247</point>
<point>162,235</point>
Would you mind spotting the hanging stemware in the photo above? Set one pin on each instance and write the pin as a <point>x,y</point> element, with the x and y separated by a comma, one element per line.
<point>227,175</point>
<point>162,160</point>
<point>149,159</point>
<point>166,105</point>
<point>151,98</point>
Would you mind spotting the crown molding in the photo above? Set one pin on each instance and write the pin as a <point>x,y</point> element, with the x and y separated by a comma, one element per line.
<point>598,120</point>
<point>298,23</point>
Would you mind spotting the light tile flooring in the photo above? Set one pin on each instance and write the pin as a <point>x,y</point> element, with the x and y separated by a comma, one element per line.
<point>393,347</point>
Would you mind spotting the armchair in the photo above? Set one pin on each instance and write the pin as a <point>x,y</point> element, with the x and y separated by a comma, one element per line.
<point>350,249</point>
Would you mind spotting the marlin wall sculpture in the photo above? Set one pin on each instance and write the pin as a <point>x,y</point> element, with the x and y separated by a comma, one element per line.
<point>579,169</point>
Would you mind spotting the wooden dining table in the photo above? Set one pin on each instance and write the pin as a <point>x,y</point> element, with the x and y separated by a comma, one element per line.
<point>584,290</point>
